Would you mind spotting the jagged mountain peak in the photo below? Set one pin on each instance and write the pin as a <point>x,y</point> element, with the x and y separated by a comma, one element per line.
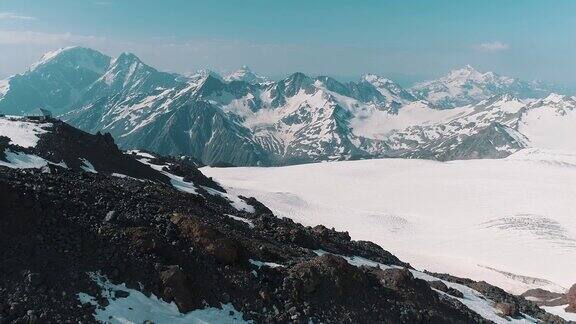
<point>374,78</point>
<point>557,98</point>
<point>245,74</point>
<point>203,74</point>
<point>391,92</point>
<point>127,58</point>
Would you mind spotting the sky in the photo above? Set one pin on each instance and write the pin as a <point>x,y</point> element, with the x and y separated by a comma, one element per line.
<point>404,40</point>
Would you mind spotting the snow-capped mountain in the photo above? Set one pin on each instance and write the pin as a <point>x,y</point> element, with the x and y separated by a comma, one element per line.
<point>392,91</point>
<point>55,82</point>
<point>245,74</point>
<point>298,119</point>
<point>550,123</point>
<point>467,86</point>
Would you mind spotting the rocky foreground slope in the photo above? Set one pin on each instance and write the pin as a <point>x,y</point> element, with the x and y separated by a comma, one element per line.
<point>90,233</point>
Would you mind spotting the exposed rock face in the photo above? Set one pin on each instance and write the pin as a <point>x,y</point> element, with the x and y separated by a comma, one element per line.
<point>571,297</point>
<point>543,297</point>
<point>213,242</point>
<point>183,242</point>
<point>175,284</point>
<point>499,296</point>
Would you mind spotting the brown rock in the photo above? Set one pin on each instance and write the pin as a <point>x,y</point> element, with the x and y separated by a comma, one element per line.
<point>543,297</point>
<point>571,296</point>
<point>175,288</point>
<point>507,309</point>
<point>140,238</point>
<point>223,249</point>
<point>395,277</point>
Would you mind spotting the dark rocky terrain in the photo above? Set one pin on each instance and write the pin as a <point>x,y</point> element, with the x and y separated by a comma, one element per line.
<point>61,224</point>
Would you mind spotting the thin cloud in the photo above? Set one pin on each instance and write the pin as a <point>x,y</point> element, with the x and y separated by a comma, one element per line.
<point>14,16</point>
<point>495,46</point>
<point>14,37</point>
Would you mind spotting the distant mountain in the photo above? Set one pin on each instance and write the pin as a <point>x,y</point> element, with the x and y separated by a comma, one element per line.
<point>55,82</point>
<point>239,120</point>
<point>245,74</point>
<point>467,86</point>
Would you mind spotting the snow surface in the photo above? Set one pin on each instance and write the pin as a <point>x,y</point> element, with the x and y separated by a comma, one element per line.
<point>551,123</point>
<point>87,166</point>
<point>4,87</point>
<point>560,311</point>
<point>189,187</point>
<point>123,176</point>
<point>234,200</point>
<point>509,221</point>
<point>21,160</point>
<point>176,181</point>
<point>47,57</point>
<point>22,133</point>
<point>377,123</point>
<point>244,220</point>
<point>137,308</point>
<point>261,264</point>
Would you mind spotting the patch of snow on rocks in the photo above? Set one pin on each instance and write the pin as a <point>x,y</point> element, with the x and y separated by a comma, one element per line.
<point>247,221</point>
<point>472,299</point>
<point>139,308</point>
<point>21,132</point>
<point>261,264</point>
<point>21,160</point>
<point>87,166</point>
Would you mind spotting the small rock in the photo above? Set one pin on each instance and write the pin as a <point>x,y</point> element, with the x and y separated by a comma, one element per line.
<point>110,216</point>
<point>454,292</point>
<point>439,285</point>
<point>121,294</point>
<point>33,279</point>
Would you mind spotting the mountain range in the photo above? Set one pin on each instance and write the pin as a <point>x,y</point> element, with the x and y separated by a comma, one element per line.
<point>246,119</point>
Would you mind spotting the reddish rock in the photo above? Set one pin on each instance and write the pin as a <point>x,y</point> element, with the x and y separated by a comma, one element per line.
<point>223,249</point>
<point>571,296</point>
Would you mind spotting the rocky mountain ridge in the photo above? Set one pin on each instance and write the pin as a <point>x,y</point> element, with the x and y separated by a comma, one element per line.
<point>242,119</point>
<point>114,235</point>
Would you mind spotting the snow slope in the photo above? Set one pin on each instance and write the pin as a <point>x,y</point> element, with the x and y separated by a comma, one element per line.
<point>508,221</point>
<point>21,132</point>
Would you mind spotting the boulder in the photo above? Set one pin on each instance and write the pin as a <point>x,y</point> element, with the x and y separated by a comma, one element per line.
<point>507,309</point>
<point>175,288</point>
<point>214,243</point>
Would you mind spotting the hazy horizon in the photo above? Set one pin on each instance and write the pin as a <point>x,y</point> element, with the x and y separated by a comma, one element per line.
<point>405,41</point>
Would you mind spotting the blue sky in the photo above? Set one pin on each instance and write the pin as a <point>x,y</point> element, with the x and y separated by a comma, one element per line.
<point>406,40</point>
